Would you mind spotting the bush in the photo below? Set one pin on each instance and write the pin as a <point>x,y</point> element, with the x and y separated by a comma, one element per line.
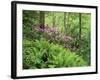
<point>42,54</point>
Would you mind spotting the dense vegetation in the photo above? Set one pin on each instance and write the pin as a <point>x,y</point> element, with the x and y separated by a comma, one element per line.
<point>55,39</point>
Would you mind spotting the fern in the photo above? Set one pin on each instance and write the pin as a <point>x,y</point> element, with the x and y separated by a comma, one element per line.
<point>42,54</point>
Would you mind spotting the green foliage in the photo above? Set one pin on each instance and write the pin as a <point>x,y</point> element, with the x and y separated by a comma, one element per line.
<point>29,17</point>
<point>56,45</point>
<point>85,50</point>
<point>42,54</point>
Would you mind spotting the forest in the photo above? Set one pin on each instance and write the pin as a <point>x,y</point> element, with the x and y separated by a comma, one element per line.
<point>54,39</point>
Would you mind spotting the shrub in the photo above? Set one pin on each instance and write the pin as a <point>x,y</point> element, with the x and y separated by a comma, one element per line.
<point>42,54</point>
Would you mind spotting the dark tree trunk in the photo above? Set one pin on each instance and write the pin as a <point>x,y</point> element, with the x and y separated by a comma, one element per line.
<point>65,26</point>
<point>42,19</point>
<point>54,19</point>
<point>80,25</point>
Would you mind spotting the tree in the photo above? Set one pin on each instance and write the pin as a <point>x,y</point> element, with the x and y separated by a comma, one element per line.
<point>80,25</point>
<point>54,19</point>
<point>42,19</point>
<point>65,22</point>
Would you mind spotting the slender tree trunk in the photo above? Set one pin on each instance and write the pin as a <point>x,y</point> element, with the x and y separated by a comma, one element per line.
<point>54,19</point>
<point>80,31</point>
<point>65,26</point>
<point>80,25</point>
<point>42,19</point>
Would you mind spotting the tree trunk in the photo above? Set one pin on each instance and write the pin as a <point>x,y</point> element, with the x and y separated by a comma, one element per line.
<point>80,32</point>
<point>42,19</point>
<point>80,25</point>
<point>54,19</point>
<point>65,22</point>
